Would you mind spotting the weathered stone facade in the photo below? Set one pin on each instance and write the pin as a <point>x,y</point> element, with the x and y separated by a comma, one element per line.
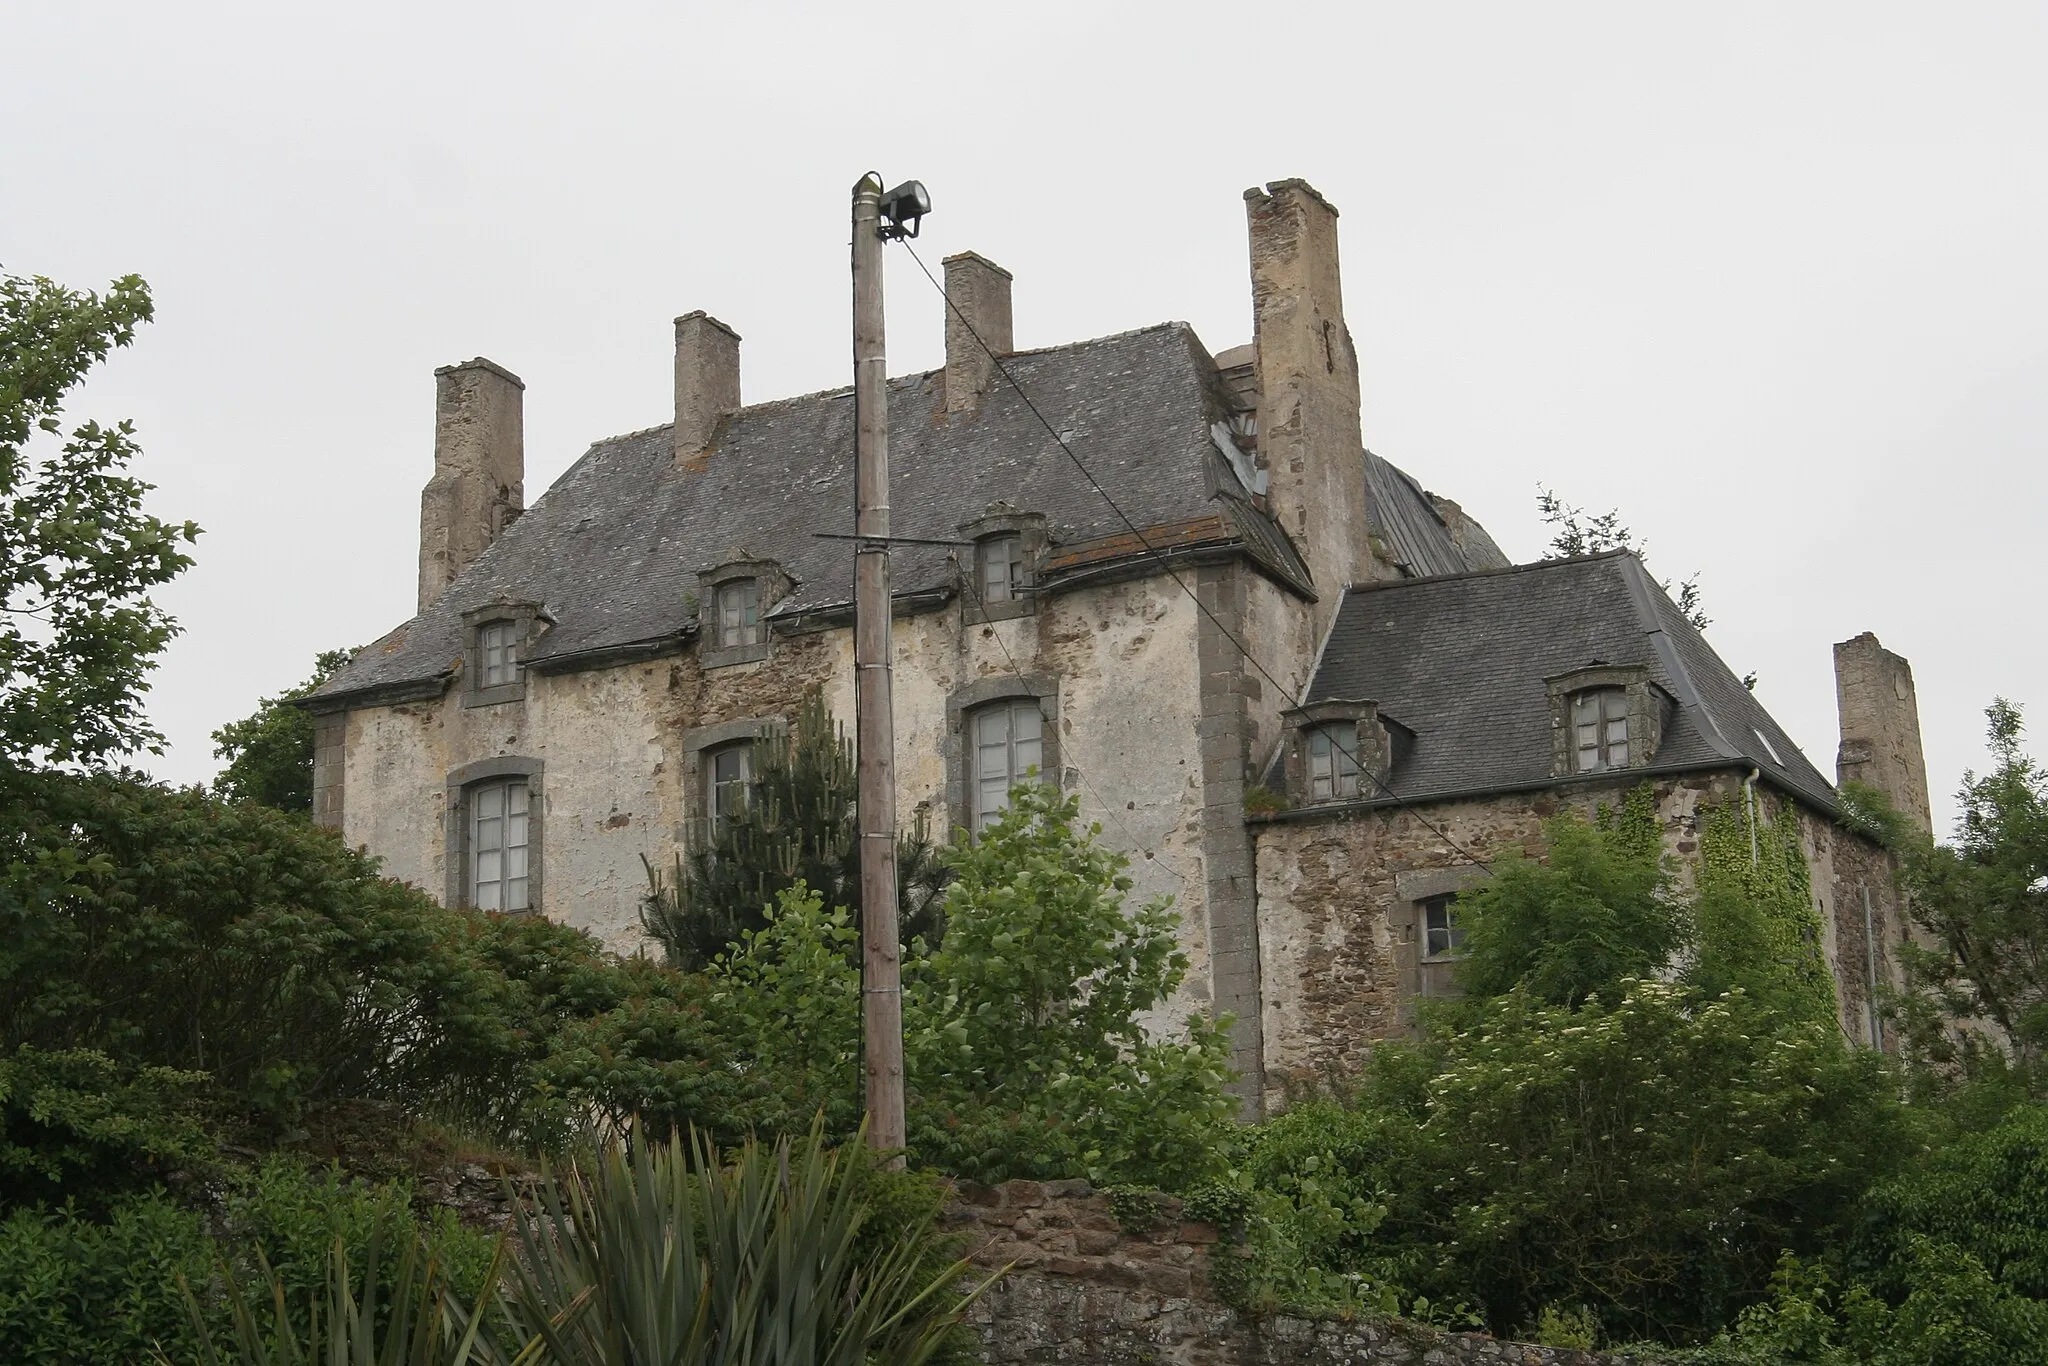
<point>1084,1290</point>
<point>1340,896</point>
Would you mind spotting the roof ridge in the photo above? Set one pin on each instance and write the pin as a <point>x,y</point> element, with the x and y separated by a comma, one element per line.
<point>909,378</point>
<point>1561,561</point>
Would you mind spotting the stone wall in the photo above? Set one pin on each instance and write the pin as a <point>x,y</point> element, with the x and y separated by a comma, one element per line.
<point>619,779</point>
<point>1340,896</point>
<point>1083,1290</point>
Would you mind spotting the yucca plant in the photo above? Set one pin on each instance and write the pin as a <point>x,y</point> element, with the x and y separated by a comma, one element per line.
<point>661,1255</point>
<point>422,1324</point>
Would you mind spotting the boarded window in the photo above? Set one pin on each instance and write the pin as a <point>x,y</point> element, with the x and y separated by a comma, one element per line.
<point>1332,763</point>
<point>499,846</point>
<point>498,649</point>
<point>739,613</point>
<point>1002,569</point>
<point>1008,744</point>
<point>1600,729</point>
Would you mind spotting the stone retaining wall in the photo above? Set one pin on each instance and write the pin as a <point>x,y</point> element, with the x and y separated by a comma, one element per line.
<point>1085,1290</point>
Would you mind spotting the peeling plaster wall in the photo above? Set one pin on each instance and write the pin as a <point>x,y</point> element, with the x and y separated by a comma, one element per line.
<point>618,783</point>
<point>1338,908</point>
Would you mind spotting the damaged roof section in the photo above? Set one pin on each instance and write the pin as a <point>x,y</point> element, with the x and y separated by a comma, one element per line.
<point>1462,661</point>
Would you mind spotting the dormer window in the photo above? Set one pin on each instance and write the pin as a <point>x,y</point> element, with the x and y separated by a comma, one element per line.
<point>1002,571</point>
<point>498,650</point>
<point>1339,750</point>
<point>1332,762</point>
<point>739,613</point>
<point>734,602</point>
<point>500,639</point>
<point>1605,718</point>
<point>1001,580</point>
<point>1600,729</point>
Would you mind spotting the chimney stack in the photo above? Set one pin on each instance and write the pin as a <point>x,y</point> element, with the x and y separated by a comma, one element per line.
<point>707,381</point>
<point>1308,386</point>
<point>1880,715</point>
<point>479,469</point>
<point>979,293</point>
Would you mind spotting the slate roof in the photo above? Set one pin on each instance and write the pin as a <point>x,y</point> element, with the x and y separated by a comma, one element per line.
<point>1461,660</point>
<point>612,551</point>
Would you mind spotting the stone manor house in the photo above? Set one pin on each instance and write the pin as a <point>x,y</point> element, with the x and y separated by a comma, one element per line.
<point>583,679</point>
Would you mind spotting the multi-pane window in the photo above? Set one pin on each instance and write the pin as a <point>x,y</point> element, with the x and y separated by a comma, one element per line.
<point>739,613</point>
<point>498,648</point>
<point>500,846</point>
<point>1440,933</point>
<point>1002,568</point>
<point>727,772</point>
<point>1009,741</point>
<point>1332,762</point>
<point>1600,729</point>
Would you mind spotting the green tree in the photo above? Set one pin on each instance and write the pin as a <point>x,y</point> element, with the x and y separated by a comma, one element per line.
<point>1025,1039</point>
<point>78,555</point>
<point>1575,531</point>
<point>1599,908</point>
<point>269,753</point>
<point>1983,902</point>
<point>797,824</point>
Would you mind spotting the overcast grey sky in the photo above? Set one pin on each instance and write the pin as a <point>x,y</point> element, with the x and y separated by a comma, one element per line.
<point>1770,278</point>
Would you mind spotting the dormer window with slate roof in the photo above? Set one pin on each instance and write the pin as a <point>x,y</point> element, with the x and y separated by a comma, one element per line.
<point>734,599</point>
<point>494,663</point>
<point>1007,547</point>
<point>1604,718</point>
<point>1338,750</point>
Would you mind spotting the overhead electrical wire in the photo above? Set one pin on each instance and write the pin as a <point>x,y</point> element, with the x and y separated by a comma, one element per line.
<point>1166,567</point>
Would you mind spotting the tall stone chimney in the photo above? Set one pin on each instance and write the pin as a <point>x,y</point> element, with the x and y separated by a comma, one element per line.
<point>1308,386</point>
<point>707,381</point>
<point>1880,716</point>
<point>479,469</point>
<point>979,293</point>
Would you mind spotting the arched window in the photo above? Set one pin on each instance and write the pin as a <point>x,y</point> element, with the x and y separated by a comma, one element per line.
<point>1007,743</point>
<point>500,845</point>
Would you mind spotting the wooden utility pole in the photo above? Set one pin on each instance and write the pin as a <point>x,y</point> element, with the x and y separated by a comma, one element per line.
<point>875,730</point>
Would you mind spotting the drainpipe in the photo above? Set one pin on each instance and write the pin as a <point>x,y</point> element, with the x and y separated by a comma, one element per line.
<point>1749,806</point>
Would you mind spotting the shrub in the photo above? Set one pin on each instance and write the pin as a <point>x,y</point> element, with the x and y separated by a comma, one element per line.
<point>77,1124</point>
<point>77,1290</point>
<point>1026,1052</point>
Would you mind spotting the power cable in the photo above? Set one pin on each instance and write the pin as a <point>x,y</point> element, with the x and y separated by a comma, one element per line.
<point>1166,566</point>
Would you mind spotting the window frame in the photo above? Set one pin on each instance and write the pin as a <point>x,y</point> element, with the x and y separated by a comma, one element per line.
<point>522,623</point>
<point>745,595</point>
<point>1426,910</point>
<point>1609,709</point>
<point>717,811</point>
<point>963,703</point>
<point>1646,711</point>
<point>1338,766</point>
<point>998,525</point>
<point>1016,769</point>
<point>459,827</point>
<point>502,801</point>
<point>769,585</point>
<point>700,745</point>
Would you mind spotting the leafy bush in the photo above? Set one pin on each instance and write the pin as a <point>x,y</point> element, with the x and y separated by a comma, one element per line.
<point>167,929</point>
<point>75,1290</point>
<point>1597,910</point>
<point>269,753</point>
<point>1025,1052</point>
<point>75,1124</point>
